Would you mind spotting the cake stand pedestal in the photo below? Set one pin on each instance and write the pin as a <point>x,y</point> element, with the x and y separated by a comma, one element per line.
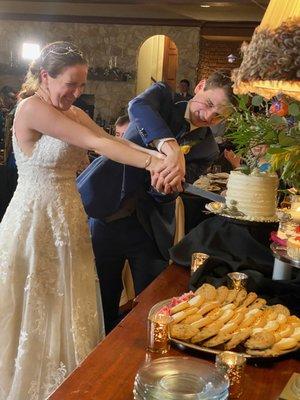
<point>283,264</point>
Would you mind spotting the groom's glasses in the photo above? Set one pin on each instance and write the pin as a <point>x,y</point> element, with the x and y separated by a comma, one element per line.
<point>221,111</point>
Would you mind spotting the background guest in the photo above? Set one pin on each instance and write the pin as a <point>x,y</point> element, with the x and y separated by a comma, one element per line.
<point>121,125</point>
<point>184,91</point>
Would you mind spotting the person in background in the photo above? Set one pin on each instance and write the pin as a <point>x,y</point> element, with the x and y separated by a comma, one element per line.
<point>256,157</point>
<point>121,125</point>
<point>184,91</point>
<point>134,221</point>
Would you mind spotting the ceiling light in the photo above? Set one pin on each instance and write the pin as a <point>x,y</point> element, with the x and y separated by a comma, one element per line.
<point>204,6</point>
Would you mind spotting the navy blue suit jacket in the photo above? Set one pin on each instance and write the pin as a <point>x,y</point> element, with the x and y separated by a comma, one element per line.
<point>105,184</point>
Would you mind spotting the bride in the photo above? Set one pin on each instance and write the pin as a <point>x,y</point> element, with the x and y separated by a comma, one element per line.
<point>50,307</point>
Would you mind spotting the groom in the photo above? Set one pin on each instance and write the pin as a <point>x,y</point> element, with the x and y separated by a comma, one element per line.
<point>128,219</point>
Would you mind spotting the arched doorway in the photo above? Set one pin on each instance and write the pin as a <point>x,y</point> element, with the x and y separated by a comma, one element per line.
<point>157,61</point>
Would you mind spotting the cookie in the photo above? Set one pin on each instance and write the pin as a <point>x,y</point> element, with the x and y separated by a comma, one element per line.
<point>181,315</point>
<point>285,344</point>
<point>241,296</point>
<point>179,307</point>
<point>296,333</point>
<point>281,309</point>
<point>192,318</point>
<point>251,297</point>
<point>281,318</point>
<point>208,319</point>
<point>220,338</point>
<point>226,315</point>
<point>261,353</point>
<point>222,293</point>
<point>250,317</point>
<point>208,291</point>
<point>183,331</point>
<point>207,332</point>
<point>197,300</point>
<point>260,341</point>
<point>206,307</point>
<point>232,293</point>
<point>259,303</point>
<point>237,338</point>
<point>284,330</point>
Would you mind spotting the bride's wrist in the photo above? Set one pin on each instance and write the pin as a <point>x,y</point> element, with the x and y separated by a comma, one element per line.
<point>148,162</point>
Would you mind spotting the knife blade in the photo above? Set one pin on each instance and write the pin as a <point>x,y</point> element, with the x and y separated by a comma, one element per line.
<point>191,189</point>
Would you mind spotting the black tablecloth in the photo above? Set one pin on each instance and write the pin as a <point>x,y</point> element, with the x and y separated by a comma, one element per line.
<point>193,210</point>
<point>237,242</point>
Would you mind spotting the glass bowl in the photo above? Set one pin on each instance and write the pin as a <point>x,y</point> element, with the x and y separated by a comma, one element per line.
<point>180,378</point>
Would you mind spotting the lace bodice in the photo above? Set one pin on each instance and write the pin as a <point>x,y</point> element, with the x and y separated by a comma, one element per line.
<point>51,159</point>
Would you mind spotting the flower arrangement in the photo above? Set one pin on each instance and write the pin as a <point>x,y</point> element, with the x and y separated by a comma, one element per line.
<point>276,123</point>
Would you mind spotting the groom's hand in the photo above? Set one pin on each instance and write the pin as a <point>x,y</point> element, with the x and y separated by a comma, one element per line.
<point>172,175</point>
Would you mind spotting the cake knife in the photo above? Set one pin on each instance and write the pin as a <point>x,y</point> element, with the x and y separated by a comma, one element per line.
<point>191,189</point>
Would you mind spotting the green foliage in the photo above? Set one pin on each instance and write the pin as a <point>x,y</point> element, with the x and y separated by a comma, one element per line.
<point>256,120</point>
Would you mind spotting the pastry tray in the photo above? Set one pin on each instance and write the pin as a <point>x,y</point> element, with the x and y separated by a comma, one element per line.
<point>186,345</point>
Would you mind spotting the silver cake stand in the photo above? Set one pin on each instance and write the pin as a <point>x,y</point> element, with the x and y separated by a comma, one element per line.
<point>283,263</point>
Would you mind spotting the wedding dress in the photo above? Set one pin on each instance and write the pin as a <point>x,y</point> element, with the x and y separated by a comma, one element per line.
<point>50,307</point>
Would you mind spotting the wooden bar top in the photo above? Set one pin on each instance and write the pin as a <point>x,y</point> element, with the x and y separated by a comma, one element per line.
<point>108,372</point>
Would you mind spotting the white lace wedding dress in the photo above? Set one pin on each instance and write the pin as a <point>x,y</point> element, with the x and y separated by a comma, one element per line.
<point>50,307</point>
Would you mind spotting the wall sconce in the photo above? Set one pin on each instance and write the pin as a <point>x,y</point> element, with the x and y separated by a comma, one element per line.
<point>30,51</point>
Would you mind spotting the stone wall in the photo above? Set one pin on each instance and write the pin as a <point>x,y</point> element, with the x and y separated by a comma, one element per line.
<point>99,42</point>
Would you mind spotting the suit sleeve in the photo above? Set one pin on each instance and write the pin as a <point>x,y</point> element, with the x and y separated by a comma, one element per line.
<point>146,112</point>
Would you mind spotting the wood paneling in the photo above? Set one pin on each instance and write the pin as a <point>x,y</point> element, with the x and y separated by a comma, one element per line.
<point>170,64</point>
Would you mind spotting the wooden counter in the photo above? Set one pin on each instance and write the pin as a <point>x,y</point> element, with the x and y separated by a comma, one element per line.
<point>108,372</point>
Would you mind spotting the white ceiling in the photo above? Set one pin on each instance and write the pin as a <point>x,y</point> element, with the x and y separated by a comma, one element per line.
<point>179,11</point>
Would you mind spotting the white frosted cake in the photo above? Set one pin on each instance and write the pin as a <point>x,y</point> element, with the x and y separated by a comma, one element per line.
<point>254,194</point>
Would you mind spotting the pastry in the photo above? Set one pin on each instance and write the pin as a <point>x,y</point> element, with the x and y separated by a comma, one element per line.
<point>285,344</point>
<point>260,341</point>
<point>197,301</point>
<point>205,308</point>
<point>231,296</point>
<point>281,309</point>
<point>208,291</point>
<point>183,331</point>
<point>259,303</point>
<point>181,315</point>
<point>207,332</point>
<point>220,338</point>
<point>250,317</point>
<point>179,307</point>
<point>222,293</point>
<point>208,319</point>
<point>241,296</point>
<point>251,297</point>
<point>237,338</point>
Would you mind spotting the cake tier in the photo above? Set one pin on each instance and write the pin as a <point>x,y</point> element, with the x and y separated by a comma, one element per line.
<point>254,195</point>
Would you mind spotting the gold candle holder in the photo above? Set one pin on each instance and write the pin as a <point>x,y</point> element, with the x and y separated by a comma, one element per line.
<point>237,280</point>
<point>158,331</point>
<point>233,366</point>
<point>198,260</point>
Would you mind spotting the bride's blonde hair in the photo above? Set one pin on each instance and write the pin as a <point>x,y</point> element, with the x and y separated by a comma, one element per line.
<point>53,58</point>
